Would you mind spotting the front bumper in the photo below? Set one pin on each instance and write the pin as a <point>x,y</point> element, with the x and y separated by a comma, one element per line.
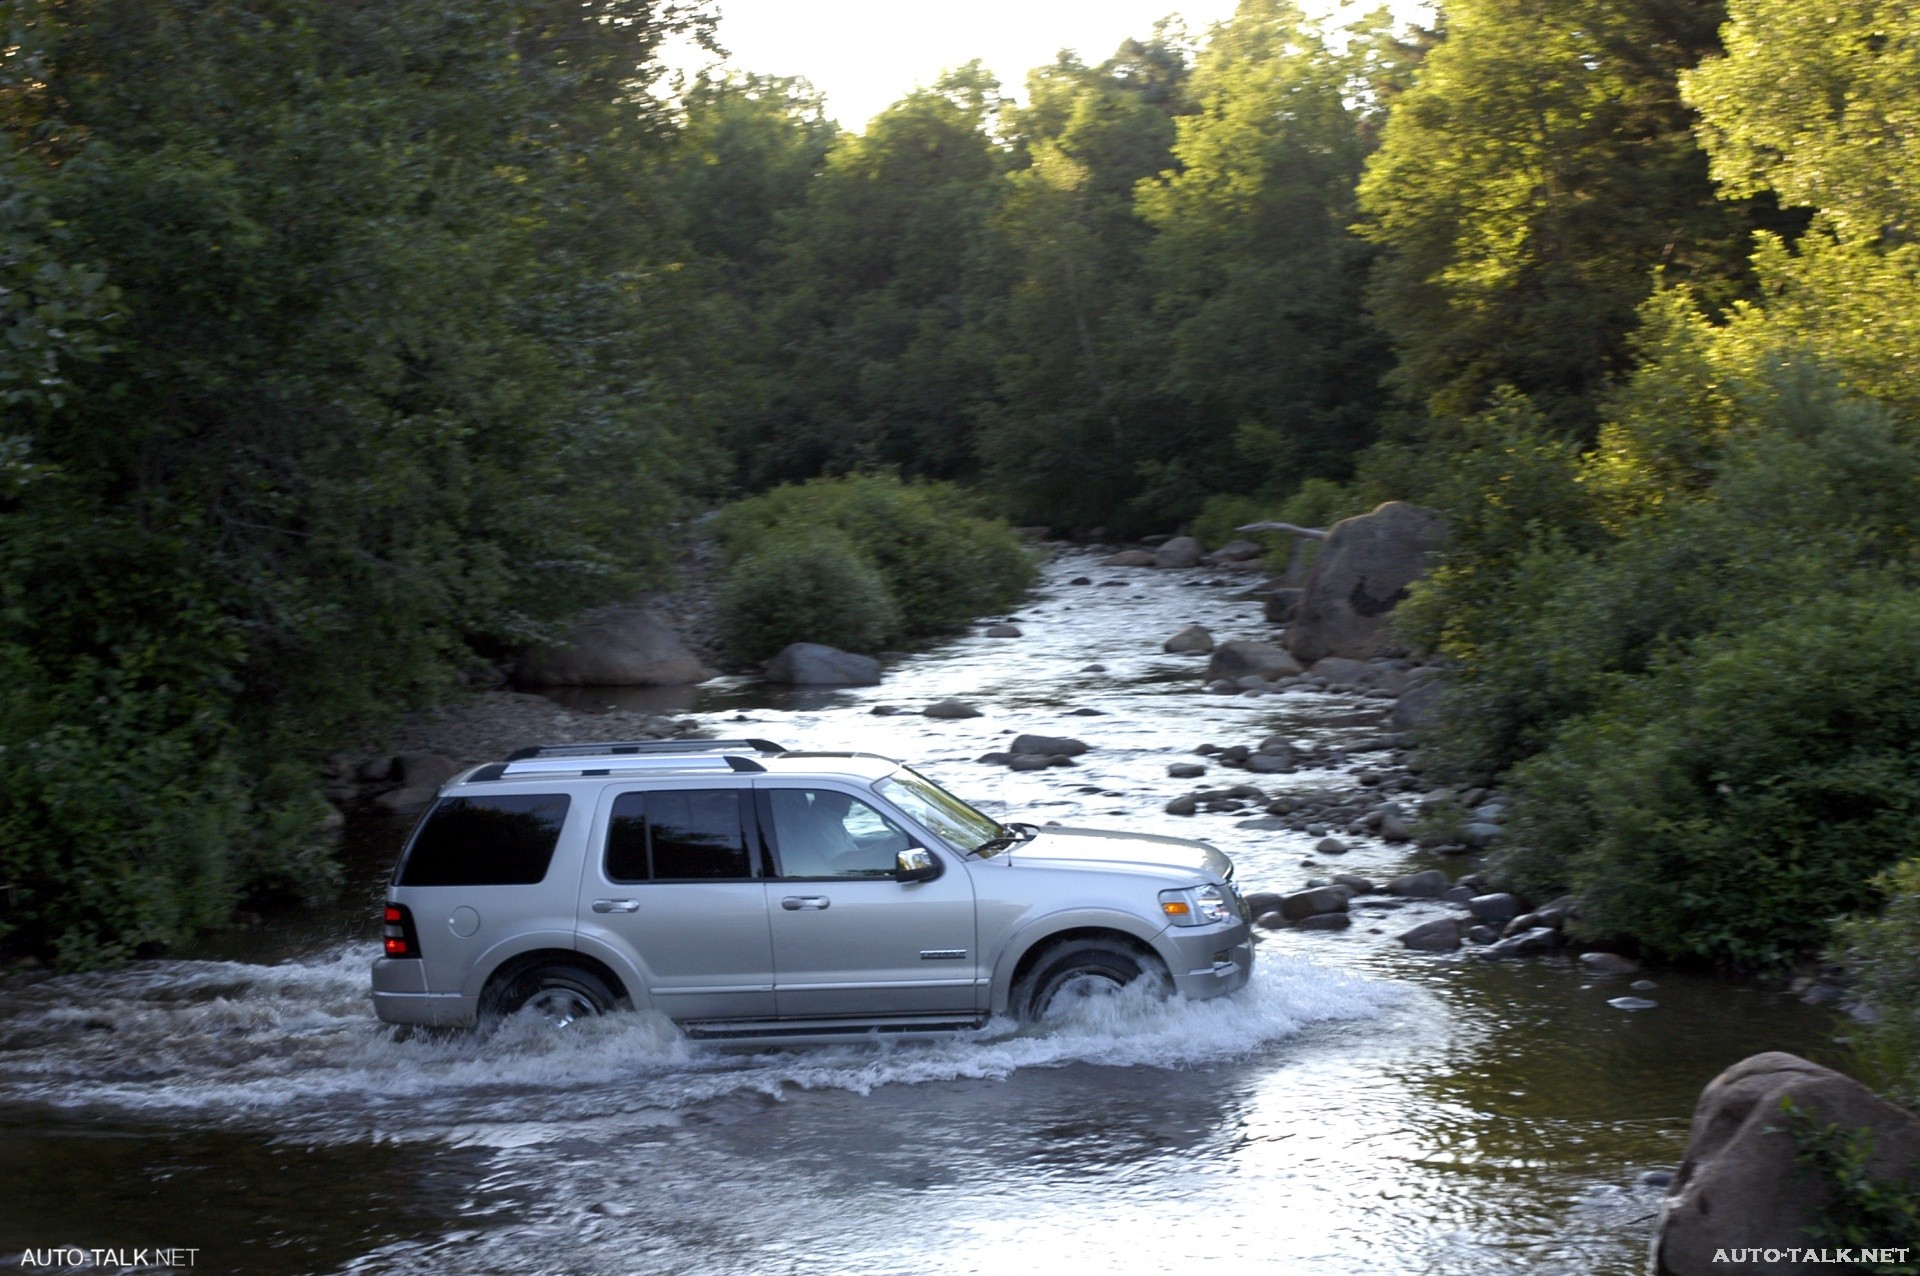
<point>1207,961</point>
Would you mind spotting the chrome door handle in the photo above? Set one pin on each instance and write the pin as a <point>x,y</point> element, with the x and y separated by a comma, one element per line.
<point>616,905</point>
<point>794,903</point>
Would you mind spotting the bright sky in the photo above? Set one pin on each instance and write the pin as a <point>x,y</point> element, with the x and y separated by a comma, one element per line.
<point>867,54</point>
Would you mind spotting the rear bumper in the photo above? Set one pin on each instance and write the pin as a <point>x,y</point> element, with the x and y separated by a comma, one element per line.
<point>400,996</point>
<point>1206,962</point>
<point>431,1010</point>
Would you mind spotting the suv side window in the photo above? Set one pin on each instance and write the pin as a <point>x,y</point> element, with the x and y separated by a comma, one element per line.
<point>677,835</point>
<point>824,833</point>
<point>506,840</point>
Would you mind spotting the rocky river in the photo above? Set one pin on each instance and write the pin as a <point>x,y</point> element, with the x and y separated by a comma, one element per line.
<point>1359,1108</point>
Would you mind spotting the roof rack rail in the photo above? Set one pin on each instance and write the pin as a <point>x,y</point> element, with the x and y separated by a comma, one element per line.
<point>617,748</point>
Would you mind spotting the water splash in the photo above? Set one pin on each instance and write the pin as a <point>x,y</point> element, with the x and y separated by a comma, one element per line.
<point>295,1048</point>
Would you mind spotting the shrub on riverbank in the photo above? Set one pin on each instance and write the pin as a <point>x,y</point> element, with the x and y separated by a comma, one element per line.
<point>1881,953</point>
<point>814,587</point>
<point>941,560</point>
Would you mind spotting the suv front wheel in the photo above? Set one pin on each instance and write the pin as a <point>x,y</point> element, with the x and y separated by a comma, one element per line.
<point>558,993</point>
<point>1080,971</point>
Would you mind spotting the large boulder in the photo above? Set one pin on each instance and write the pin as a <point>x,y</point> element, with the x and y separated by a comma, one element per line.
<point>1361,574</point>
<point>1129,558</point>
<point>1236,552</point>
<point>1741,1186</point>
<point>1238,659</point>
<point>1414,704</point>
<point>622,646</point>
<point>814,664</point>
<point>1181,551</point>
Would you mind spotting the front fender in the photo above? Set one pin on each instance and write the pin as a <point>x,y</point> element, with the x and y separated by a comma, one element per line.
<point>1039,930</point>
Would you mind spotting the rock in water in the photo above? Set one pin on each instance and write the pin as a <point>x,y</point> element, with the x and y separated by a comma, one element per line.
<point>1048,745</point>
<point>1189,641</point>
<point>621,646</point>
<point>1741,1185</point>
<point>1002,631</point>
<point>1440,936</point>
<point>1431,884</point>
<point>1240,659</point>
<point>950,709</point>
<point>1128,558</point>
<point>1360,575</point>
<point>812,664</point>
<point>1181,551</point>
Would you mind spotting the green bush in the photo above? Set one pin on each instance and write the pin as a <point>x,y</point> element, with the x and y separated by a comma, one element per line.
<point>941,559</point>
<point>1729,805</point>
<point>813,588</point>
<point>1881,954</point>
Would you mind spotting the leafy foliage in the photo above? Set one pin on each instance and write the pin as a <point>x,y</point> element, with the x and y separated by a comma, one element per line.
<point>338,346</point>
<point>940,562</point>
<point>1864,1212</point>
<point>806,585</point>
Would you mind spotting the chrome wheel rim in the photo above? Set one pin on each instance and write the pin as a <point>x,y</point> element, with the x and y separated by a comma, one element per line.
<point>562,1006</point>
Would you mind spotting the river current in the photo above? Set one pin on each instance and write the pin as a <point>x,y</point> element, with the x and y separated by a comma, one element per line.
<point>1356,1109</point>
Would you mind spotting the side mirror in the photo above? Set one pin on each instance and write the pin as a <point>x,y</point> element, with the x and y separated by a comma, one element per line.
<point>915,864</point>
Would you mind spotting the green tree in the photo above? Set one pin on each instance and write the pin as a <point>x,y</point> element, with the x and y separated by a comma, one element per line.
<point>1527,185</point>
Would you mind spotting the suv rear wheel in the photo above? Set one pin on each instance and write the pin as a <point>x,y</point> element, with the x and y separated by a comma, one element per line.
<point>558,993</point>
<point>1079,971</point>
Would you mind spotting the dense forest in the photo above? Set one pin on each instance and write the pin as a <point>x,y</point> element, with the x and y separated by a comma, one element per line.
<point>349,345</point>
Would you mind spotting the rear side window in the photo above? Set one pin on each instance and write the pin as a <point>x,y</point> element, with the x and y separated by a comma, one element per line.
<point>506,840</point>
<point>677,835</point>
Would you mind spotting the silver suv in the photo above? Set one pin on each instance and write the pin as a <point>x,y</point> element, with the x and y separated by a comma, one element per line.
<point>751,893</point>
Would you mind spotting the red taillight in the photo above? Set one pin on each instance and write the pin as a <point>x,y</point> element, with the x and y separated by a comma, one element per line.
<point>396,931</point>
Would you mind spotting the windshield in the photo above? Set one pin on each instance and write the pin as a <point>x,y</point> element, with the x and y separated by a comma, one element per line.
<point>934,808</point>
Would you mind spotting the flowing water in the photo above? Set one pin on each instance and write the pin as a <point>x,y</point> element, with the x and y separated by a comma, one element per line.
<point>1356,1109</point>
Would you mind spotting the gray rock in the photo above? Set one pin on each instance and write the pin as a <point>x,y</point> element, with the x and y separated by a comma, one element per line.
<point>1222,687</point>
<point>1037,761</point>
<point>1340,670</point>
<point>1482,934</point>
<point>1495,910</point>
<point>408,801</point>
<point>1479,836</point>
<point>1263,823</point>
<point>1002,631</point>
<point>1608,963</point>
<point>1632,1003</point>
<point>950,709</point>
<point>1360,575</point>
<point>620,646</point>
<point>1324,921</point>
<point>1643,985</point>
<point>1457,894</point>
<point>1414,704</point>
<point>1330,846</point>
<point>1185,805</point>
<point>1268,764</point>
<point>1263,902</point>
<point>1048,744</point>
<point>1193,640</point>
<point>1271,921</point>
<point>1238,659</point>
<point>374,770</point>
<point>1528,943</point>
<point>1181,551</point>
<point>1128,558</point>
<point>423,770</point>
<point>1310,903</point>
<point>1186,770</point>
<point>1741,1184</point>
<point>1281,606</point>
<point>1355,883</point>
<point>1237,551</point>
<point>1394,828</point>
<point>995,759</point>
<point>1430,884</point>
<point>1439,936</point>
<point>814,664</point>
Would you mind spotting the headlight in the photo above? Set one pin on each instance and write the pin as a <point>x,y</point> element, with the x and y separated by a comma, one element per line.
<point>1198,905</point>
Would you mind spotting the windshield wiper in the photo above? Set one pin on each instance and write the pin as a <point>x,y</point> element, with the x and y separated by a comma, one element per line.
<point>1011,835</point>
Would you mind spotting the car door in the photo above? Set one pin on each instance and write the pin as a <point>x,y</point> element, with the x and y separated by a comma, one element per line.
<point>848,938</point>
<point>674,880</point>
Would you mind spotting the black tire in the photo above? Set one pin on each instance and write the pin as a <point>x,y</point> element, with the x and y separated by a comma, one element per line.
<point>561,993</point>
<point>1082,968</point>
